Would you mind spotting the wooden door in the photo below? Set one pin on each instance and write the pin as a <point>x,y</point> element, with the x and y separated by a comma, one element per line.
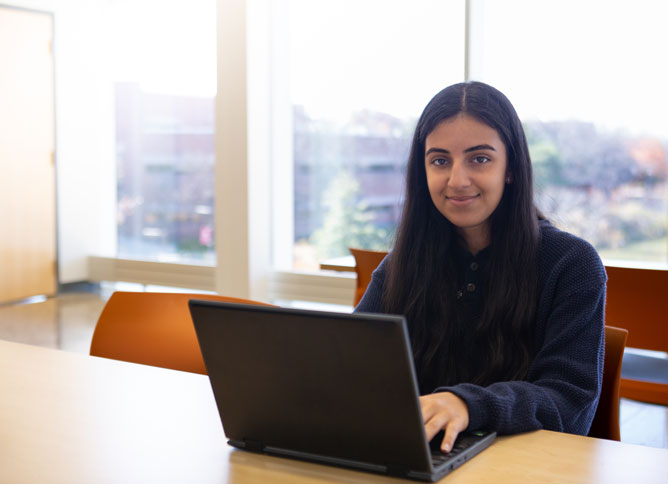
<point>27,165</point>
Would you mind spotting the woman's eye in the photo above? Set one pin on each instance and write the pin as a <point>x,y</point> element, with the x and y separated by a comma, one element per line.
<point>439,161</point>
<point>480,159</point>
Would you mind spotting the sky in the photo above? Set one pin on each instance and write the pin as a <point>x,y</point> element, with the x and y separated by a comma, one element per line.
<point>600,61</point>
<point>167,46</point>
<point>594,60</point>
<point>387,55</point>
<point>597,60</point>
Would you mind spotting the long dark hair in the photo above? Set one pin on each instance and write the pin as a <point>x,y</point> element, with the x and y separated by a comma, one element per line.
<point>422,278</point>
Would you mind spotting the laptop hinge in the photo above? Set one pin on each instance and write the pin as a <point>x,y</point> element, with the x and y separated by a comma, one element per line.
<point>253,445</point>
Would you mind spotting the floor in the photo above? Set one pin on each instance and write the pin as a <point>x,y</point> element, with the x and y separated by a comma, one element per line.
<point>67,322</point>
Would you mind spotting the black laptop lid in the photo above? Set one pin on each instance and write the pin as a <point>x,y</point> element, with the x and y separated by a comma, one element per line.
<point>336,385</point>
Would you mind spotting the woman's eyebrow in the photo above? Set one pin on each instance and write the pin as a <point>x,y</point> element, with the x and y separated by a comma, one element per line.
<point>479,147</point>
<point>436,150</point>
<point>467,150</point>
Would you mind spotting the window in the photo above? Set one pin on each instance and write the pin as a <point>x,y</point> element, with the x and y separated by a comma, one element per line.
<point>360,73</point>
<point>352,77</point>
<point>163,69</point>
<point>587,82</point>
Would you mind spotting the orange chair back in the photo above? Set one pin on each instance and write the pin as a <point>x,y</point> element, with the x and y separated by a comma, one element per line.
<point>366,262</point>
<point>637,300</point>
<point>152,329</point>
<point>606,420</point>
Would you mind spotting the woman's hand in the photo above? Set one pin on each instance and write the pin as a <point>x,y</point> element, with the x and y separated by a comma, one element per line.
<point>444,411</point>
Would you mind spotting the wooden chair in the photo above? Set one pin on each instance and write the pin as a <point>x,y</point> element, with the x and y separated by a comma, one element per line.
<point>637,300</point>
<point>606,420</point>
<point>366,262</point>
<point>152,329</point>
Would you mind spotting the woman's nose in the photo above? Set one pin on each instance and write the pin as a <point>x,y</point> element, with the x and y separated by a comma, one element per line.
<point>458,176</point>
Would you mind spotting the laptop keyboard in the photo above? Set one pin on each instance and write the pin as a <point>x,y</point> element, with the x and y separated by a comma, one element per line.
<point>463,442</point>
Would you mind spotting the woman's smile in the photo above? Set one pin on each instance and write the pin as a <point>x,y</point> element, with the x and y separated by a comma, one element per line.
<point>462,201</point>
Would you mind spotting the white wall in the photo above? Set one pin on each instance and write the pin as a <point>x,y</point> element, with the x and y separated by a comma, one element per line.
<point>85,165</point>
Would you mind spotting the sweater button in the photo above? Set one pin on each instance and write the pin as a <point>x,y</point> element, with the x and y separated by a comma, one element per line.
<point>470,287</point>
<point>474,266</point>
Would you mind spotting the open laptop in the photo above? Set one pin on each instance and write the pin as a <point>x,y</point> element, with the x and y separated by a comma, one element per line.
<point>334,388</point>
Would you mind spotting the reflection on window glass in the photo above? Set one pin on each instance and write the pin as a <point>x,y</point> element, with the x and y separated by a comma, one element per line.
<point>163,66</point>
<point>593,104</point>
<point>361,72</point>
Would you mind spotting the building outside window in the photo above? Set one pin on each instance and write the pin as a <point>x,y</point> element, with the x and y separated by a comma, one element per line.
<point>163,69</point>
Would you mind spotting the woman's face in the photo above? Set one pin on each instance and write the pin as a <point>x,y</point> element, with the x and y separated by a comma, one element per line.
<point>466,166</point>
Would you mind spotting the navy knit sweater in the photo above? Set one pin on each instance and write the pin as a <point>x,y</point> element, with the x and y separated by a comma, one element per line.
<point>563,384</point>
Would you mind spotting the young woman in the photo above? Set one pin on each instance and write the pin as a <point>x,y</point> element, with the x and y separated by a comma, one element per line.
<point>504,311</point>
